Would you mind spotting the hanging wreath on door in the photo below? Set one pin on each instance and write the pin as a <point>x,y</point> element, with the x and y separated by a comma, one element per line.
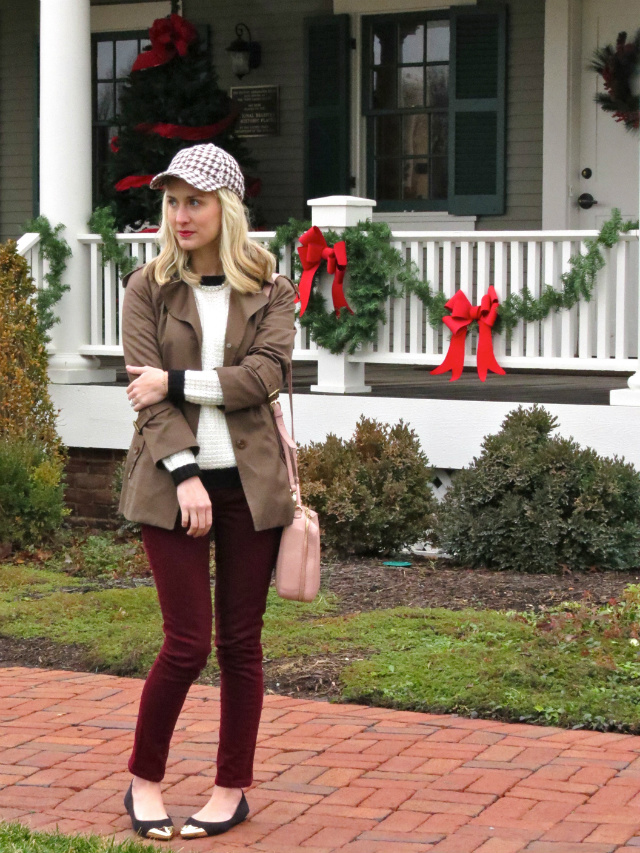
<point>618,66</point>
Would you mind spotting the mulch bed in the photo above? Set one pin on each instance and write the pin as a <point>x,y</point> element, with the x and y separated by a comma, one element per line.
<point>363,585</point>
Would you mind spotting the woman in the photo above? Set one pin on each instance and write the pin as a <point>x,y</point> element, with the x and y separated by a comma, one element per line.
<point>206,349</point>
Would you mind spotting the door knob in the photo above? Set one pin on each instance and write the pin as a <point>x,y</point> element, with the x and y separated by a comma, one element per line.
<point>586,200</point>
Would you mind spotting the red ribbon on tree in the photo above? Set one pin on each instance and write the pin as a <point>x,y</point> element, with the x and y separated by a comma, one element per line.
<point>168,36</point>
<point>313,251</point>
<point>192,134</point>
<point>462,314</point>
<point>134,181</point>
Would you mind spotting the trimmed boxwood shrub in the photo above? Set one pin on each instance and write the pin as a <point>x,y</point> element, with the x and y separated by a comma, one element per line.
<point>31,454</point>
<point>534,502</point>
<point>373,492</point>
<point>31,492</point>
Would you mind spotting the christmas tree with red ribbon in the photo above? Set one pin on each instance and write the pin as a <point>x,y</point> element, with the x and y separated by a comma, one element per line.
<point>171,100</point>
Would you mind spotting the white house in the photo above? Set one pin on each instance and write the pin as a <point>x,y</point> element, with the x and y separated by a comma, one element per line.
<point>472,129</point>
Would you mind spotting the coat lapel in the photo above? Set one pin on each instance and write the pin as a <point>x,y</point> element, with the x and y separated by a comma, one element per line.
<point>242,306</point>
<point>181,304</point>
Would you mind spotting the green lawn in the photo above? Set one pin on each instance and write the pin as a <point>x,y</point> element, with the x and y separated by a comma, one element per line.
<point>576,665</point>
<point>18,839</point>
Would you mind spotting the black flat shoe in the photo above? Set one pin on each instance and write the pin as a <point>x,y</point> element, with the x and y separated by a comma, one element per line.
<point>161,830</point>
<point>194,828</point>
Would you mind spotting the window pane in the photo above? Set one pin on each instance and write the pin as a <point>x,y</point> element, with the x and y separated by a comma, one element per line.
<point>388,180</point>
<point>126,52</point>
<point>439,177</point>
<point>415,183</point>
<point>384,88</point>
<point>104,101</point>
<point>412,43</point>
<point>437,41</point>
<point>439,133</point>
<point>387,136</point>
<point>104,60</point>
<point>384,43</point>
<point>415,137</point>
<point>438,86</point>
<point>411,87</point>
<point>119,91</point>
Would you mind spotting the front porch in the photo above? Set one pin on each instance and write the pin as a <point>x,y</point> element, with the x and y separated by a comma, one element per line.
<point>577,362</point>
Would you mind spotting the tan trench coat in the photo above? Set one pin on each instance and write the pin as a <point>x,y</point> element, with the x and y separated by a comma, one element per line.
<point>161,328</point>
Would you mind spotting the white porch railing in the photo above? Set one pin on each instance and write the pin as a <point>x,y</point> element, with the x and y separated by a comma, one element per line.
<point>603,334</point>
<point>29,247</point>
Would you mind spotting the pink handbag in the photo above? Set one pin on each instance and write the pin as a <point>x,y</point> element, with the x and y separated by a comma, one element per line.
<point>298,563</point>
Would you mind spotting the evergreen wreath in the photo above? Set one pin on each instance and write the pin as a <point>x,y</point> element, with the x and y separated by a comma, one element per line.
<point>377,272</point>
<point>56,251</point>
<point>617,66</point>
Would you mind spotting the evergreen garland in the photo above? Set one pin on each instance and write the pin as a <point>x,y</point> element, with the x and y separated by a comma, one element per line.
<point>377,272</point>
<point>102,222</point>
<point>578,282</point>
<point>56,251</point>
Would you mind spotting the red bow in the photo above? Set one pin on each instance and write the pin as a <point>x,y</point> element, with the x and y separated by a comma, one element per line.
<point>313,251</point>
<point>463,313</point>
<point>168,36</point>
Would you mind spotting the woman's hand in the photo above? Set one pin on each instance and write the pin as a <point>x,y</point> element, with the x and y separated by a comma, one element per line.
<point>195,506</point>
<point>151,386</point>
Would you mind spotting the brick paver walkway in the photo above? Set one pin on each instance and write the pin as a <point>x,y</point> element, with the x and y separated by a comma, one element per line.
<point>328,777</point>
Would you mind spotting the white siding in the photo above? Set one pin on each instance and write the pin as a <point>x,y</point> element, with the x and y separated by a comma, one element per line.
<point>18,37</point>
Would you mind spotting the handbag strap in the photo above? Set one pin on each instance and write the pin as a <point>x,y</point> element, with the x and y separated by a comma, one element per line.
<point>289,447</point>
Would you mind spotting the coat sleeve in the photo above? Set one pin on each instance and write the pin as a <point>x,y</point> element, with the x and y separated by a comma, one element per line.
<point>263,370</point>
<point>164,427</point>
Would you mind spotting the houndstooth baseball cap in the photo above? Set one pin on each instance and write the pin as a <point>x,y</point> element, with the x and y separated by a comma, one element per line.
<point>206,167</point>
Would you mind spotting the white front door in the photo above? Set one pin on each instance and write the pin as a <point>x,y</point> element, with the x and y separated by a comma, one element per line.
<point>606,146</point>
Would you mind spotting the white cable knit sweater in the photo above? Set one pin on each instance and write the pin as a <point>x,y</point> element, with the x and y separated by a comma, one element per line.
<point>203,386</point>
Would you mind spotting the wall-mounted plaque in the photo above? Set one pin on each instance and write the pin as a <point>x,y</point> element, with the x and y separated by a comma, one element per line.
<point>260,110</point>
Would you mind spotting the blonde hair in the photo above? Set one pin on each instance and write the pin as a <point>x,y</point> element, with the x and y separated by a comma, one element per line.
<point>245,263</point>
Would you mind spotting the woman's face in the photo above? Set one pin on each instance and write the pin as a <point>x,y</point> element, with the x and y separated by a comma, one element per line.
<point>195,216</point>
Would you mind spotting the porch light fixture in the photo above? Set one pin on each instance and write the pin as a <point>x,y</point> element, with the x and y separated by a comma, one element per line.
<point>245,55</point>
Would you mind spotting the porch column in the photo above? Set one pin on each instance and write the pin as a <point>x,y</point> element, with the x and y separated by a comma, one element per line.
<point>336,374</point>
<point>65,174</point>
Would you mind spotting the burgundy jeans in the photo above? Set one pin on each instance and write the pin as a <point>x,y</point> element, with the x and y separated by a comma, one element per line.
<point>180,566</point>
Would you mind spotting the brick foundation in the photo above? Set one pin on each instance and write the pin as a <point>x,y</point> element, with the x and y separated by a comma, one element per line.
<point>89,492</point>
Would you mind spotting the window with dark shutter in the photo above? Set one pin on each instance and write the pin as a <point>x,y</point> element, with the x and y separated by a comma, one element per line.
<point>405,72</point>
<point>326,106</point>
<point>477,112</point>
<point>434,101</point>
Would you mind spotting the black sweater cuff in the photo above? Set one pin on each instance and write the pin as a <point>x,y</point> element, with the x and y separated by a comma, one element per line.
<point>175,384</point>
<point>179,475</point>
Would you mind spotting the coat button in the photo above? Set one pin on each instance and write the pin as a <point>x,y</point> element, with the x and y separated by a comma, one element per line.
<point>241,443</point>
<point>228,346</point>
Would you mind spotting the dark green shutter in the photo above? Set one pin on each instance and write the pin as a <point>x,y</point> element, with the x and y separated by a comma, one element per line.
<point>326,106</point>
<point>477,111</point>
